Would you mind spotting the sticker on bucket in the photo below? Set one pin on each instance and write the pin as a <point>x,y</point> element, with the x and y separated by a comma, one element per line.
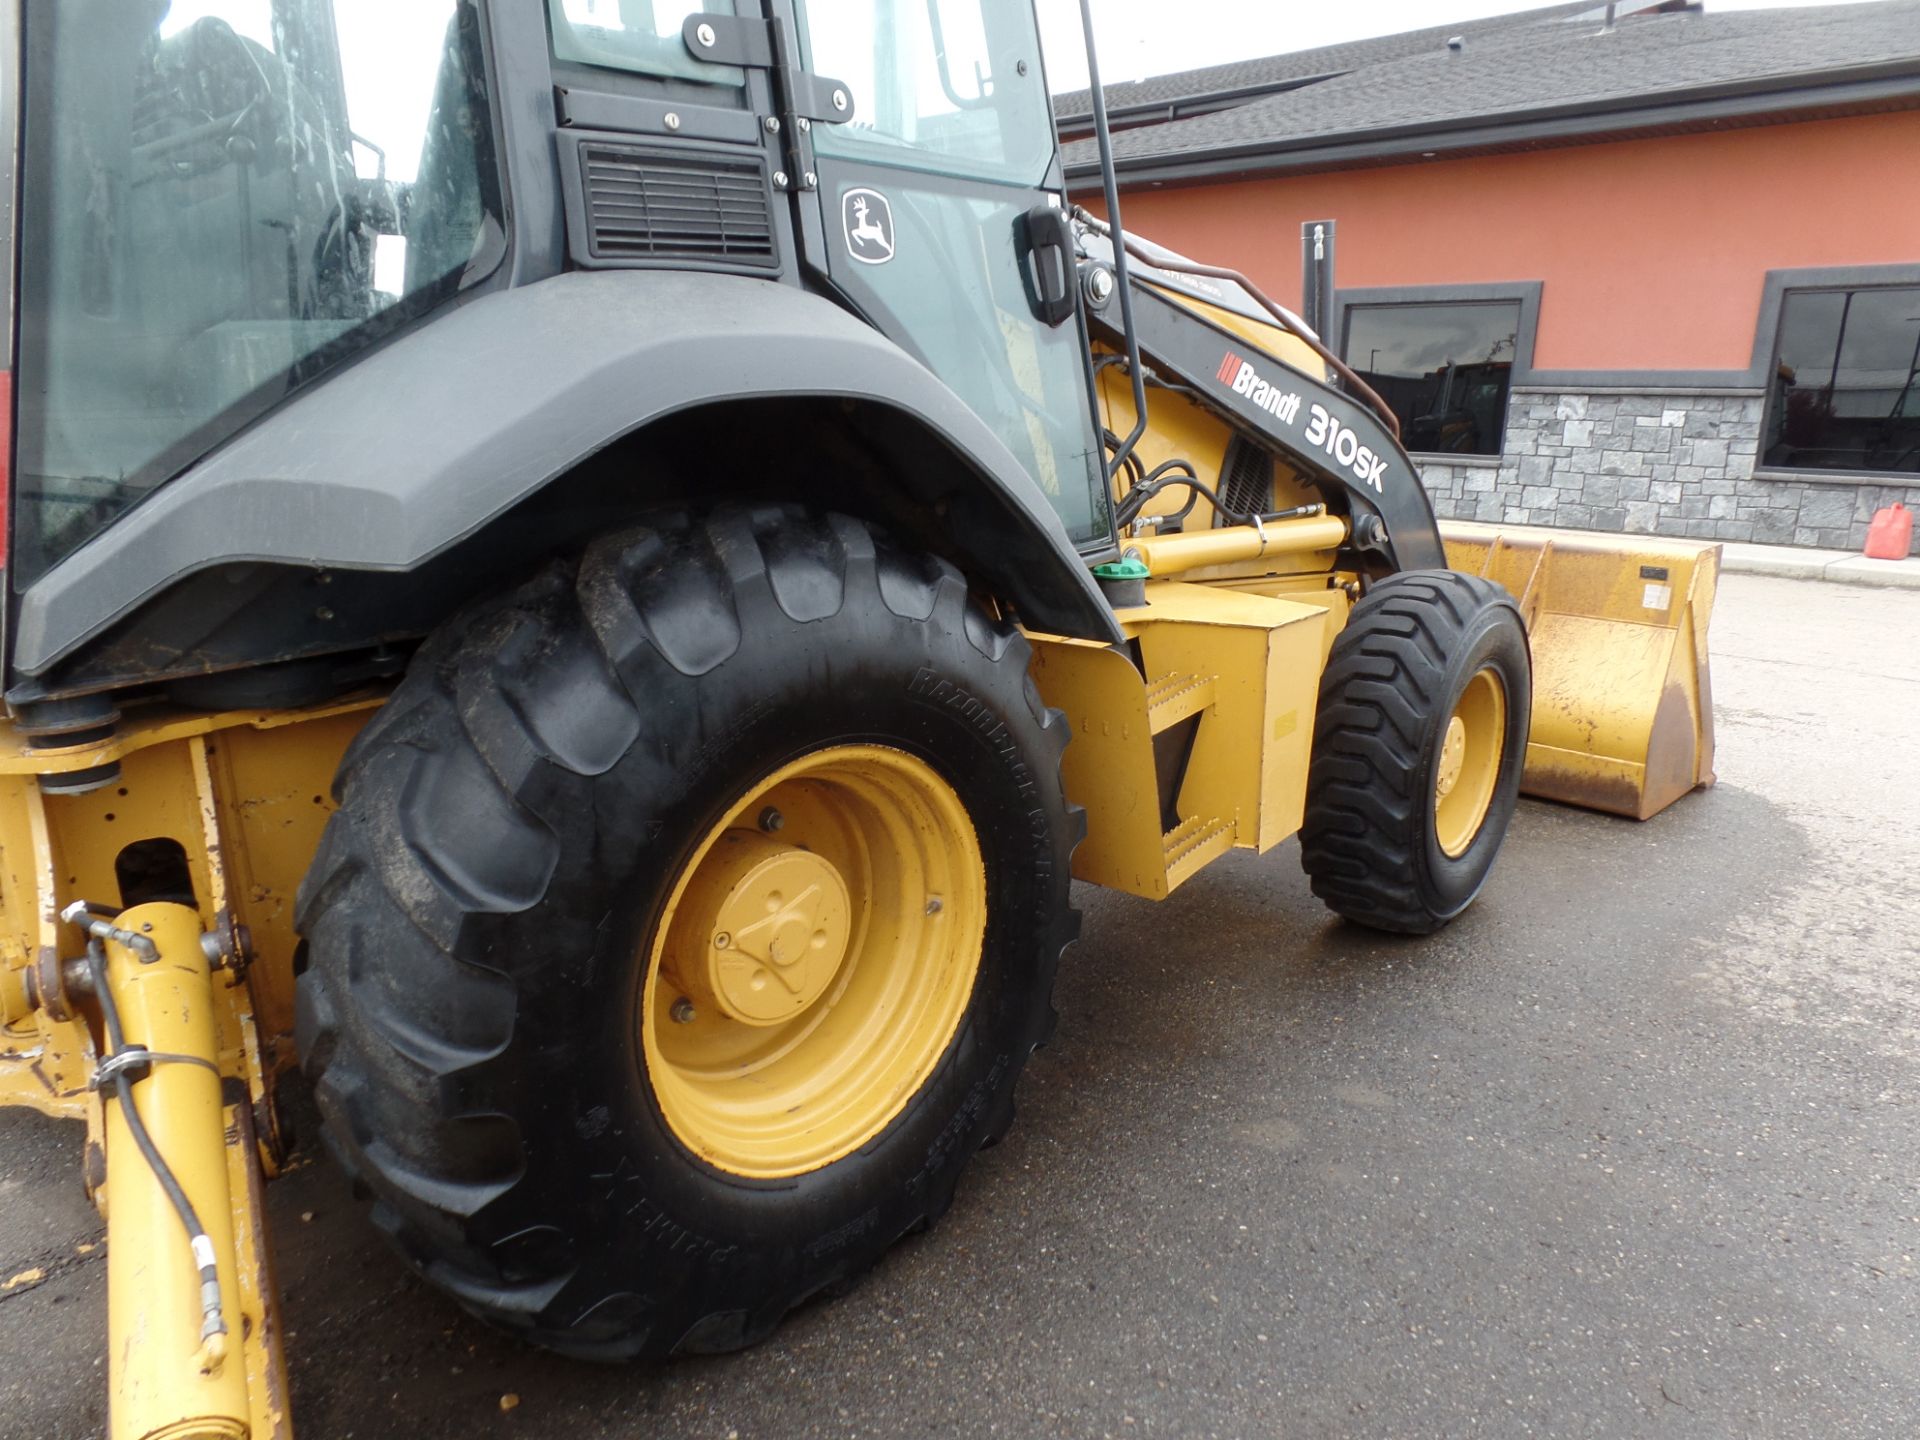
<point>1657,597</point>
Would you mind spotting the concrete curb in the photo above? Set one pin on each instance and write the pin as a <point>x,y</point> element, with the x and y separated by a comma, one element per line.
<point>1787,562</point>
<point>1840,567</point>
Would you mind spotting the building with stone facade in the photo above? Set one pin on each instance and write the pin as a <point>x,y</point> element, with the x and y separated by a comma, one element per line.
<point>1642,267</point>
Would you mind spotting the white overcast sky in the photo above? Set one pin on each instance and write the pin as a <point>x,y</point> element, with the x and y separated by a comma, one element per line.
<point>1139,38</point>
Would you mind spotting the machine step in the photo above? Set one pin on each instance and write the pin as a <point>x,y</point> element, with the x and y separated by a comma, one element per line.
<point>1172,698</point>
<point>1193,845</point>
<point>1239,669</point>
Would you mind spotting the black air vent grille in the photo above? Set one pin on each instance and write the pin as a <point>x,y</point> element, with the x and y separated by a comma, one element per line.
<point>645,206</point>
<point>1246,480</point>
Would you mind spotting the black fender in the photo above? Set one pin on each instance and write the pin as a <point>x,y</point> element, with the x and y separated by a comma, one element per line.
<point>397,459</point>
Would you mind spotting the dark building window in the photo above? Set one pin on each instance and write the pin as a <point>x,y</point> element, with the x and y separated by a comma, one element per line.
<point>1444,368</point>
<point>1846,381</point>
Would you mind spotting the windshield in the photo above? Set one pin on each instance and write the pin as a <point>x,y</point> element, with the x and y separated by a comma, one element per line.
<point>951,86</point>
<point>222,199</point>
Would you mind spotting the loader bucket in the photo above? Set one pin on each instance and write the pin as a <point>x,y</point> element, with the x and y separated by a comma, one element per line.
<point>1622,707</point>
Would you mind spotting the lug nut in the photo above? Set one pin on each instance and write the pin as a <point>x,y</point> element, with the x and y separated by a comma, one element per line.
<point>722,940</point>
<point>771,819</point>
<point>682,1011</point>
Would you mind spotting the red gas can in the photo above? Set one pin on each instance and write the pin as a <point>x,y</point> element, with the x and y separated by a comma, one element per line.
<point>1890,536</point>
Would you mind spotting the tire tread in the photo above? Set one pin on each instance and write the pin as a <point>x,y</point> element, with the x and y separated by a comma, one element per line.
<point>402,1024</point>
<point>1385,677</point>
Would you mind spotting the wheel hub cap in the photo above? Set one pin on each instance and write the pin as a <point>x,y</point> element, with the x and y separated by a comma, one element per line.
<point>1467,770</point>
<point>808,974</point>
<point>769,926</point>
<point>1453,754</point>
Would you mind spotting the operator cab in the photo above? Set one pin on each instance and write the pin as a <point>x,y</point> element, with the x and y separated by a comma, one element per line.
<point>225,201</point>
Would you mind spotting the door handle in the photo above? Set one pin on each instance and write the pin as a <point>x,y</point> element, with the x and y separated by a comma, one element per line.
<point>1047,263</point>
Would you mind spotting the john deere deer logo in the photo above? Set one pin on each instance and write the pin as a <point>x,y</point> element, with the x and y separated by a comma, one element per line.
<point>869,225</point>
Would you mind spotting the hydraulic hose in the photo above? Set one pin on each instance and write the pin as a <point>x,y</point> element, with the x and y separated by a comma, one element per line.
<point>1163,476</point>
<point>113,1071</point>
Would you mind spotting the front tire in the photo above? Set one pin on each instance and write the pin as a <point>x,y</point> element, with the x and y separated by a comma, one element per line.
<point>687,920</point>
<point>1419,741</point>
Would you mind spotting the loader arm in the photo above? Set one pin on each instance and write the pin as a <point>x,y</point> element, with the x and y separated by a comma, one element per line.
<point>1341,445</point>
<point>1623,709</point>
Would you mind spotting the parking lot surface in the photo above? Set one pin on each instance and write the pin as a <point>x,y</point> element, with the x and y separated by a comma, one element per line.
<point>1631,1149</point>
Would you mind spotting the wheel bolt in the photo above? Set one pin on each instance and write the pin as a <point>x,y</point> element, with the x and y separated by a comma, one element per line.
<point>771,819</point>
<point>682,1011</point>
<point>722,940</point>
<point>933,906</point>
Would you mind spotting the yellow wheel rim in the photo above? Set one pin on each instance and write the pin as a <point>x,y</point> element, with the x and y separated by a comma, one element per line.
<point>1469,767</point>
<point>813,962</point>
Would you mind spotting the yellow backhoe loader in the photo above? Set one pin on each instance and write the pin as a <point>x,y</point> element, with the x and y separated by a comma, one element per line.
<point>585,576</point>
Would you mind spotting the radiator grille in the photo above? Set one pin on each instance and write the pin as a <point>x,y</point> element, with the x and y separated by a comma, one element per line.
<point>643,206</point>
<point>1246,480</point>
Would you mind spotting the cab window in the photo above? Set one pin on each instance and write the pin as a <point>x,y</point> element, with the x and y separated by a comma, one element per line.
<point>638,35</point>
<point>223,200</point>
<point>950,86</point>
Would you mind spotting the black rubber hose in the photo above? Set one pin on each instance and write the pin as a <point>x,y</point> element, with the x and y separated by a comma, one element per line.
<point>1227,512</point>
<point>212,1322</point>
<point>1158,479</point>
<point>1139,496</point>
<point>1130,461</point>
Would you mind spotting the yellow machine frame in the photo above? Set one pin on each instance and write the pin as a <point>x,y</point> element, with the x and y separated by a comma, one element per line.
<point>1229,639</point>
<point>244,795</point>
<point>1191,740</point>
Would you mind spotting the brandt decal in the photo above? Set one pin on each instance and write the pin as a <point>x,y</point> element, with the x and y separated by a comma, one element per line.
<point>1324,431</point>
<point>868,220</point>
<point>1241,378</point>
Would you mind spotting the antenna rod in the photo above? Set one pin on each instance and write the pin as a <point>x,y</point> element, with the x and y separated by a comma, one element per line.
<point>1111,183</point>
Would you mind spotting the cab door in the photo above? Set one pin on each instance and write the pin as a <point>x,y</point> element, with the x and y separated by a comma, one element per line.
<point>914,211</point>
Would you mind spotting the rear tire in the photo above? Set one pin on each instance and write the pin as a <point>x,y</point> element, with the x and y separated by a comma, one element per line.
<point>1402,827</point>
<point>486,917</point>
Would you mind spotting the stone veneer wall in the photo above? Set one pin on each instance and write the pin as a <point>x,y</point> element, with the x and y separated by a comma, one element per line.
<point>1652,464</point>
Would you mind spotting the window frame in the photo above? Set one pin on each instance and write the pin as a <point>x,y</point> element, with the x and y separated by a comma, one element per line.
<point>999,18</point>
<point>1525,292</point>
<point>1766,356</point>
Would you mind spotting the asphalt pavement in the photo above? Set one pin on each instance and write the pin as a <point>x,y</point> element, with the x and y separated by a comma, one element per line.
<point>1629,1150</point>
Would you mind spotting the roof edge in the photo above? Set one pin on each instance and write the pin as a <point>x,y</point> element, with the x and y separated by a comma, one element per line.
<point>1872,85</point>
<point>1213,100</point>
<point>1486,24</point>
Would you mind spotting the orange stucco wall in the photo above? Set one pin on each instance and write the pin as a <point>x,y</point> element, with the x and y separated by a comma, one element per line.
<point>1652,252</point>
